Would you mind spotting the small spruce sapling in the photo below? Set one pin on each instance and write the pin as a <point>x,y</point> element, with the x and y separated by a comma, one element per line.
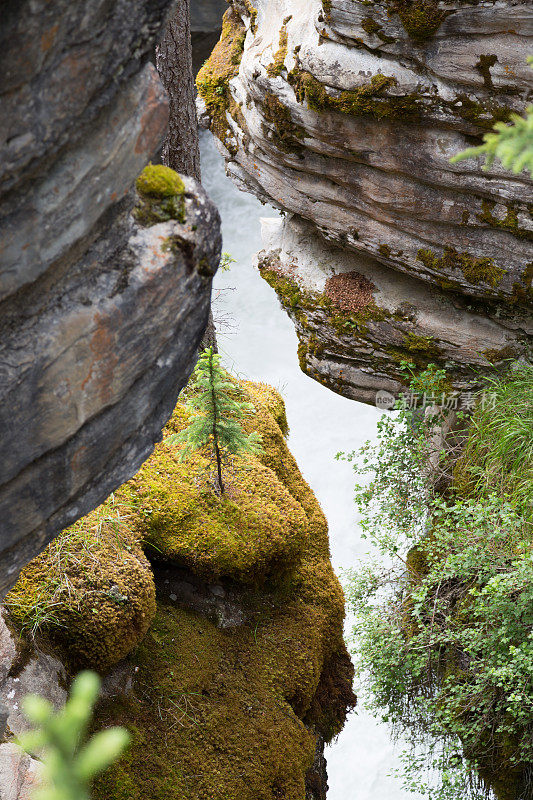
<point>511,144</point>
<point>70,763</point>
<point>216,414</point>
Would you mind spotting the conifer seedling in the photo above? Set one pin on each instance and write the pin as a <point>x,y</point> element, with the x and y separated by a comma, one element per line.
<point>216,414</point>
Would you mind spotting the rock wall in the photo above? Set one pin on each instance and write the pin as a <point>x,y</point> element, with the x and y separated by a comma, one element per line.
<point>99,319</point>
<point>345,114</point>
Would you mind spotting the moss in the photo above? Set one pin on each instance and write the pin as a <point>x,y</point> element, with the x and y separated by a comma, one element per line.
<point>482,115</point>
<point>421,344</point>
<point>509,223</point>
<point>384,250</point>
<point>475,270</point>
<point>370,99</point>
<point>483,67</point>
<point>251,10</point>
<point>421,19</point>
<point>90,593</point>
<point>159,181</point>
<point>160,196</point>
<point>497,356</point>
<point>275,69</point>
<point>373,28</point>
<point>213,78</point>
<point>287,134</point>
<point>254,528</point>
<point>235,713</point>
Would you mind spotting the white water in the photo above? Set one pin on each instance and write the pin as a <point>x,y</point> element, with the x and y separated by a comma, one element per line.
<point>261,344</point>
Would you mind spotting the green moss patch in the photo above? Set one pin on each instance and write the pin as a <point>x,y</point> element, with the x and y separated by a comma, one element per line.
<point>275,69</point>
<point>213,78</point>
<point>475,270</point>
<point>254,527</point>
<point>370,99</point>
<point>160,193</point>
<point>91,591</point>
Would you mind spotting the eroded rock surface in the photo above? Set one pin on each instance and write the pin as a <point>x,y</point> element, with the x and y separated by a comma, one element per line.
<point>100,315</point>
<point>346,113</point>
<point>357,320</point>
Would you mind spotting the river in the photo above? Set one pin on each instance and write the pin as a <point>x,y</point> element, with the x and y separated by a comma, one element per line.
<point>258,341</point>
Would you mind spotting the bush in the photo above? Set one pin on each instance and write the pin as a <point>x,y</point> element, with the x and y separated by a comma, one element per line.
<point>445,628</point>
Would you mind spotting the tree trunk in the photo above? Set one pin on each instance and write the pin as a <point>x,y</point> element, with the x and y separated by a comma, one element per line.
<point>181,149</point>
<point>174,64</point>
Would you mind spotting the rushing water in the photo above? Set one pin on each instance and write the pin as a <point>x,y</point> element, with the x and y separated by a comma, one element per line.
<point>258,341</point>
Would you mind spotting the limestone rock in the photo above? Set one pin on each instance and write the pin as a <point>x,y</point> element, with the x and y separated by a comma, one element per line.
<point>20,774</point>
<point>25,669</point>
<point>349,120</point>
<point>100,317</point>
<point>345,113</point>
<point>357,349</point>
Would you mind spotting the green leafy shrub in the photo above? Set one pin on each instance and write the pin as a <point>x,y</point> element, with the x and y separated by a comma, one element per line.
<point>70,762</point>
<point>445,619</point>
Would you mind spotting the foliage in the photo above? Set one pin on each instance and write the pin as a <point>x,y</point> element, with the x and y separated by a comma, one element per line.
<point>226,260</point>
<point>444,624</point>
<point>216,415</point>
<point>511,144</point>
<point>70,762</point>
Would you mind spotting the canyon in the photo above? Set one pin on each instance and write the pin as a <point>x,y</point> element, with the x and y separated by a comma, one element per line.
<point>344,115</point>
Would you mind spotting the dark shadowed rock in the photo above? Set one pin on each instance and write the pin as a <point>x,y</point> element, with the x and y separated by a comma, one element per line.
<point>100,317</point>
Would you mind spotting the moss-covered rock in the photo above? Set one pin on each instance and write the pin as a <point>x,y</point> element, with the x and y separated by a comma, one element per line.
<point>91,592</point>
<point>160,196</point>
<point>213,79</point>
<point>256,527</point>
<point>214,712</point>
<point>235,713</point>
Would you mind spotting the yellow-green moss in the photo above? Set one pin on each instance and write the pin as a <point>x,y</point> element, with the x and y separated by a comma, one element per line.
<point>508,223</point>
<point>421,344</point>
<point>287,134</point>
<point>253,528</point>
<point>421,19</point>
<point>91,592</point>
<point>275,69</point>
<point>160,196</point>
<point>234,714</point>
<point>475,270</point>
<point>370,99</point>
<point>157,180</point>
<point>213,78</point>
<point>373,28</point>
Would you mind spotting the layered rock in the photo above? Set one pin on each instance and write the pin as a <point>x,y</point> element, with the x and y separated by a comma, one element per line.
<point>358,322</point>
<point>346,114</point>
<point>101,313</point>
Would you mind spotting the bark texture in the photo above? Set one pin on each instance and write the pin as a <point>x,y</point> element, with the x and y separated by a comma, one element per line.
<point>181,149</point>
<point>174,64</point>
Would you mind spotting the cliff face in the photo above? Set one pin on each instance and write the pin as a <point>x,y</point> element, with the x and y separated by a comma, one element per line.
<point>99,320</point>
<point>346,114</point>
